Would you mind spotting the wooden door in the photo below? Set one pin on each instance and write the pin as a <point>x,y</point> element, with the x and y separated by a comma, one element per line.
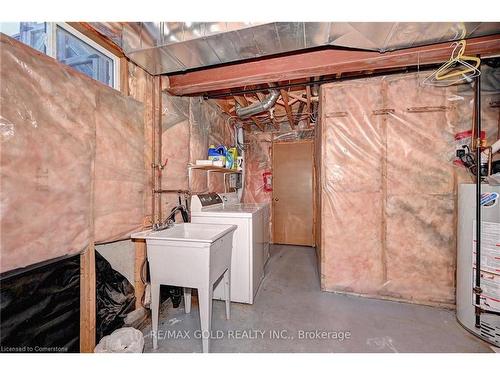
<point>293,201</point>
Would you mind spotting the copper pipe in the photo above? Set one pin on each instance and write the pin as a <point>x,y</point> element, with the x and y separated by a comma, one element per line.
<point>165,191</point>
<point>473,135</point>
<point>158,119</point>
<point>427,109</point>
<point>156,166</point>
<point>153,154</point>
<point>490,158</point>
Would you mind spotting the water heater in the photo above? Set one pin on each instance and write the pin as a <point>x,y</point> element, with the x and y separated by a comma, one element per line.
<point>489,329</point>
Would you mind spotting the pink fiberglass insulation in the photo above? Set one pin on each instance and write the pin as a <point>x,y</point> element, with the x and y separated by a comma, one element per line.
<point>47,148</point>
<point>139,87</point>
<point>258,160</point>
<point>351,187</point>
<point>189,126</point>
<point>175,148</point>
<point>119,186</point>
<point>388,186</point>
<point>221,132</point>
<point>51,202</point>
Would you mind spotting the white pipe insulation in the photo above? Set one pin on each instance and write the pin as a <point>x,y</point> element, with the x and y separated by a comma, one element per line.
<point>495,147</point>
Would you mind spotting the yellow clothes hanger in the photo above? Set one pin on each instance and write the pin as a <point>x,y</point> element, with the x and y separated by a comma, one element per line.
<point>448,70</point>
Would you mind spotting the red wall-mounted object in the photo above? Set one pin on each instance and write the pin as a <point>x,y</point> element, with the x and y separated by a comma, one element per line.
<point>267,178</point>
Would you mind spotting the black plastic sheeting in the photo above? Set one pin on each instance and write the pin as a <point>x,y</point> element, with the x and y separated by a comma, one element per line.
<point>40,308</point>
<point>40,305</point>
<point>115,298</point>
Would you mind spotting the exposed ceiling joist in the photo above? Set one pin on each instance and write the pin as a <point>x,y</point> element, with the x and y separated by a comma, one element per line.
<point>290,102</point>
<point>308,96</point>
<point>318,63</point>
<point>299,98</point>
<point>288,109</point>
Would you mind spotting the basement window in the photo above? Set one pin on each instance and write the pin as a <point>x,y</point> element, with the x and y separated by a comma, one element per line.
<point>68,46</point>
<point>34,34</point>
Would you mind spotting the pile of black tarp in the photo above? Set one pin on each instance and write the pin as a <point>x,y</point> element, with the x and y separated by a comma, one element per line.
<point>40,308</point>
<point>115,298</point>
<point>40,305</point>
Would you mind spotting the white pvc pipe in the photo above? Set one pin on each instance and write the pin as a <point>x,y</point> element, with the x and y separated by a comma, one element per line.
<point>495,147</point>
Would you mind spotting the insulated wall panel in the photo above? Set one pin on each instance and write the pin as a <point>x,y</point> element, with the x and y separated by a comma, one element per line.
<point>353,146</point>
<point>221,132</point>
<point>420,248</point>
<point>420,138</point>
<point>420,232</point>
<point>388,185</point>
<point>140,86</point>
<point>352,248</point>
<point>47,150</point>
<point>189,126</point>
<point>352,188</point>
<point>72,159</point>
<point>120,178</point>
<point>258,160</point>
<point>175,152</point>
<point>175,148</point>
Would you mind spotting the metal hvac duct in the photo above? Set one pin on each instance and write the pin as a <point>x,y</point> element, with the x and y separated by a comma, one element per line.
<point>169,47</point>
<point>259,107</point>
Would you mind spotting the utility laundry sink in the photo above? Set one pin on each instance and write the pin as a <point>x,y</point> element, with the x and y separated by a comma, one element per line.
<point>187,232</point>
<point>190,255</point>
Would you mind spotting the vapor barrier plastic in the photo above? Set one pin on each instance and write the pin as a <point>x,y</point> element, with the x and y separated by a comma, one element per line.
<point>294,135</point>
<point>189,127</point>
<point>140,85</point>
<point>258,160</point>
<point>120,177</point>
<point>388,186</point>
<point>175,145</point>
<point>221,132</point>
<point>57,184</point>
<point>47,149</point>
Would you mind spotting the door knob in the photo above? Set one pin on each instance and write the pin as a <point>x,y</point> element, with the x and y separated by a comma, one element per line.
<point>276,199</point>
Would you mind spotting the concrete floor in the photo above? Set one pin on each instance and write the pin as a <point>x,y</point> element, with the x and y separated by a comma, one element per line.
<point>290,303</point>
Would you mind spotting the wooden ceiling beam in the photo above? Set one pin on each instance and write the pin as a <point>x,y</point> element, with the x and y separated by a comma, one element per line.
<point>252,100</point>
<point>318,63</point>
<point>308,96</point>
<point>288,109</point>
<point>299,98</point>
<point>290,102</point>
<point>225,106</point>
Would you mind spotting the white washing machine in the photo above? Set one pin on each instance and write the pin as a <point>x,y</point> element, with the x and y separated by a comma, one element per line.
<point>489,329</point>
<point>250,240</point>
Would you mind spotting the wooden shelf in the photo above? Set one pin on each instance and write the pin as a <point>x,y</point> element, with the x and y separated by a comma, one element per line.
<point>213,168</point>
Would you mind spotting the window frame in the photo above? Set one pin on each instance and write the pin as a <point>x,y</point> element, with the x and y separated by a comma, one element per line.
<point>51,48</point>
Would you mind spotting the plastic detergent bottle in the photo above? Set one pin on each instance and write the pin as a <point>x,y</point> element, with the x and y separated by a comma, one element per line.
<point>217,154</point>
<point>231,157</point>
<point>211,152</point>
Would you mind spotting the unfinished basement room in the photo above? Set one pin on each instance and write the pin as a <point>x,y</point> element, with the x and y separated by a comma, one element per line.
<point>248,184</point>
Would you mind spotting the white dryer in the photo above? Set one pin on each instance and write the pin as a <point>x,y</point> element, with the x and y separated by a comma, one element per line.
<point>250,240</point>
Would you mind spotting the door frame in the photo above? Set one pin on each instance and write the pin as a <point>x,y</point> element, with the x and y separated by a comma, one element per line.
<point>314,192</point>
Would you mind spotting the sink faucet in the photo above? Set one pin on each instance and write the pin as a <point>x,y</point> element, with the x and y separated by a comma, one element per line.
<point>170,220</point>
